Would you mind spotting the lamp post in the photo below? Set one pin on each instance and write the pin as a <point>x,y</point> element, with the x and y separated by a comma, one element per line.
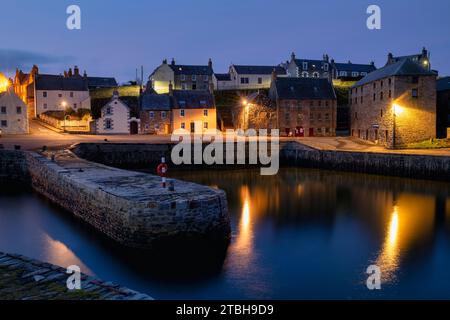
<point>64,105</point>
<point>245,104</point>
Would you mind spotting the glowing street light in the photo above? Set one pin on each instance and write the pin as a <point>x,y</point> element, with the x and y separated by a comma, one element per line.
<point>398,110</point>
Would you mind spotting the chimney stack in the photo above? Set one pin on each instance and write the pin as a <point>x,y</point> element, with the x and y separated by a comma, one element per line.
<point>173,61</point>
<point>292,56</point>
<point>210,64</point>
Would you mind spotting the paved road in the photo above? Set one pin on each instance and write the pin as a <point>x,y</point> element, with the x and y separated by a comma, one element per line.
<point>41,135</point>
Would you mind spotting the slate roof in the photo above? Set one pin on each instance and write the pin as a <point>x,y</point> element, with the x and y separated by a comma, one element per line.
<point>190,70</point>
<point>101,82</point>
<point>223,76</point>
<point>404,67</point>
<point>159,102</point>
<point>192,99</point>
<point>352,67</point>
<point>443,84</point>
<point>58,82</point>
<point>304,89</point>
<point>240,69</point>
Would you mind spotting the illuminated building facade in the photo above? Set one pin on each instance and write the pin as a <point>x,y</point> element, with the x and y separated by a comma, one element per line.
<point>395,105</point>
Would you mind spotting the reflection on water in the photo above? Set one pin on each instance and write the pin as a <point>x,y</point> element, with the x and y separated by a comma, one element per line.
<point>301,234</point>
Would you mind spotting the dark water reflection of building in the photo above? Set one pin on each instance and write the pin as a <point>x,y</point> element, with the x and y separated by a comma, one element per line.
<point>404,216</point>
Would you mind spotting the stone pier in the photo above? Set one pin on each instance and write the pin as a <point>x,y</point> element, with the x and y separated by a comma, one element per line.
<point>129,207</point>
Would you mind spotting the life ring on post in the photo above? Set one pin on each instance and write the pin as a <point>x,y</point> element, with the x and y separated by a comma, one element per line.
<point>162,169</point>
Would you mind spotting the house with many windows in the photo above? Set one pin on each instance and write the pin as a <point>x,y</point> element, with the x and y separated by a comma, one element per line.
<point>191,108</point>
<point>156,113</point>
<point>13,113</point>
<point>182,77</point>
<point>350,71</point>
<point>305,106</point>
<point>395,105</point>
<point>308,68</point>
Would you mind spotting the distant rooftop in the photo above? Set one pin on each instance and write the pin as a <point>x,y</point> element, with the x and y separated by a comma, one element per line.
<point>304,89</point>
<point>241,69</point>
<point>443,84</point>
<point>404,67</point>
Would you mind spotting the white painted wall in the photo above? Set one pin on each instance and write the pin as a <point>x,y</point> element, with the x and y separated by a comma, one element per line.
<point>16,123</point>
<point>55,98</point>
<point>120,118</point>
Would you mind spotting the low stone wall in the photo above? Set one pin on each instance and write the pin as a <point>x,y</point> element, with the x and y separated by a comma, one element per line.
<point>23,278</point>
<point>291,154</point>
<point>402,165</point>
<point>13,166</point>
<point>129,207</point>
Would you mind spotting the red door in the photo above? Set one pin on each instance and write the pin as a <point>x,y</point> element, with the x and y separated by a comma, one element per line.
<point>311,132</point>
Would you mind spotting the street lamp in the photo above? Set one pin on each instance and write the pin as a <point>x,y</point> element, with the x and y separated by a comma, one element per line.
<point>396,110</point>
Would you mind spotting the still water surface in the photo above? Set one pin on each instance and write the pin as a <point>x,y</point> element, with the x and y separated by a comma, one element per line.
<point>301,234</point>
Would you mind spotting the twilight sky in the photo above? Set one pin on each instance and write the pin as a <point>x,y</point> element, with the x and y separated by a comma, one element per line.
<point>119,36</point>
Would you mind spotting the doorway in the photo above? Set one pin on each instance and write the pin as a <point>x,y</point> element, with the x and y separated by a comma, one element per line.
<point>134,127</point>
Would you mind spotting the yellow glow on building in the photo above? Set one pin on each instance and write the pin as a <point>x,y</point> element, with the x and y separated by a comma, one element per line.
<point>4,83</point>
<point>398,109</point>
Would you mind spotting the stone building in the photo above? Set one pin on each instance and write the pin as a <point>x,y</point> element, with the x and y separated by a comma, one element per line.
<point>156,113</point>
<point>13,113</point>
<point>422,58</point>
<point>256,111</point>
<point>350,71</point>
<point>443,108</point>
<point>307,68</point>
<point>116,119</point>
<point>305,106</point>
<point>395,105</point>
<point>182,77</point>
<point>24,88</point>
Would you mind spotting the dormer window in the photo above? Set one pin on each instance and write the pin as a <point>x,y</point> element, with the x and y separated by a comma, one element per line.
<point>325,67</point>
<point>355,74</point>
<point>305,65</point>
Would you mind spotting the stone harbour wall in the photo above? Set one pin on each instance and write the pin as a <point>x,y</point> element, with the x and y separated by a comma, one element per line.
<point>390,164</point>
<point>129,207</point>
<point>23,278</point>
<point>13,166</point>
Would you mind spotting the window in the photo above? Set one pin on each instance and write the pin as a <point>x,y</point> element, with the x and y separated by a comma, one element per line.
<point>181,113</point>
<point>374,97</point>
<point>44,94</point>
<point>382,83</point>
<point>415,93</point>
<point>305,74</point>
<point>194,77</point>
<point>19,110</point>
<point>343,73</point>
<point>316,75</point>
<point>390,93</point>
<point>362,99</point>
<point>71,94</point>
<point>108,124</point>
<point>325,67</point>
<point>205,125</point>
<point>205,112</point>
<point>381,95</point>
<point>356,115</point>
<point>326,103</point>
<point>319,103</point>
<point>108,111</point>
<point>60,95</point>
<point>163,114</point>
<point>183,125</point>
<point>151,114</point>
<point>305,65</point>
<point>364,74</point>
<point>3,110</point>
<point>374,85</point>
<point>327,116</point>
<point>244,80</point>
<point>381,112</point>
<point>259,80</point>
<point>45,106</point>
<point>390,81</point>
<point>74,105</point>
<point>355,74</point>
<point>206,78</point>
<point>183,77</point>
<point>311,116</point>
<point>4,123</point>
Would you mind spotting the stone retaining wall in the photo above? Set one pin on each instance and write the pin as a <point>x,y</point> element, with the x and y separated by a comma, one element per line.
<point>13,166</point>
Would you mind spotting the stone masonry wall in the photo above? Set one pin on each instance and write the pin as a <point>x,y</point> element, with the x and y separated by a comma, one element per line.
<point>13,166</point>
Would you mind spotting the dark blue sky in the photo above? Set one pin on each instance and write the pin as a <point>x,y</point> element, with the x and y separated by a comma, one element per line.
<point>118,36</point>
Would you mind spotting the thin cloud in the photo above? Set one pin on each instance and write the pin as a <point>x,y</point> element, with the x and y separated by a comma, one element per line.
<point>10,59</point>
